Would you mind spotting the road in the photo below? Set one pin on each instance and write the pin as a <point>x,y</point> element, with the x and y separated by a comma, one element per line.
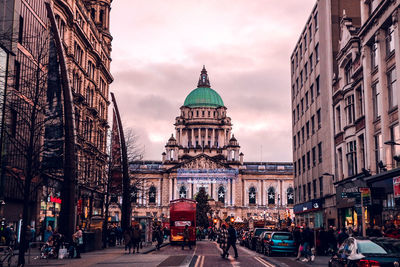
<point>204,254</point>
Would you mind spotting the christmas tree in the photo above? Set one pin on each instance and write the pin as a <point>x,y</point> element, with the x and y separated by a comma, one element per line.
<point>202,208</point>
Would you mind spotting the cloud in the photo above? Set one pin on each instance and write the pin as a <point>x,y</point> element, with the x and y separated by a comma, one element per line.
<point>159,48</point>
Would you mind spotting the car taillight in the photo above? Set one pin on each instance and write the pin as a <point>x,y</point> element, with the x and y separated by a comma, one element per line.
<point>368,263</point>
<point>271,243</point>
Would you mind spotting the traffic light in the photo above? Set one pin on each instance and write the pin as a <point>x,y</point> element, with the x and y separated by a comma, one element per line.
<point>232,219</point>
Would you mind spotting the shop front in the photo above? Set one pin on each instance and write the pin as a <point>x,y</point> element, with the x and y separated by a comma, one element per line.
<point>50,206</point>
<point>310,213</point>
<point>349,205</point>
<point>385,191</point>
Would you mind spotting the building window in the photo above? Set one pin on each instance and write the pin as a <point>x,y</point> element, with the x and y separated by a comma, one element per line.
<point>351,156</point>
<point>320,152</point>
<point>295,168</point>
<point>321,187</point>
<point>299,198</point>
<point>17,75</point>
<point>314,185</point>
<point>152,194</point>
<point>271,196</point>
<point>299,166</point>
<point>182,192</point>
<point>312,93</point>
<point>302,134</point>
<point>301,50</point>
<point>313,124</point>
<point>298,112</point>
<point>308,129</point>
<point>360,102</point>
<point>304,163</point>
<point>319,118</point>
<point>316,53</point>
<point>309,190</point>
<point>308,160</point>
<point>301,79</point>
<point>304,192</point>
<point>294,116</point>
<point>391,80</point>
<point>395,136</point>
<point>378,151</point>
<point>290,196</point>
<point>306,70</point>
<point>349,109</point>
<point>306,97</point>
<point>21,29</point>
<point>134,194</point>
<point>221,194</point>
<point>317,86</point>
<point>338,120</point>
<point>13,123</point>
<point>376,100</point>
<point>310,32</point>
<point>361,148</point>
<point>316,21</point>
<point>374,56</point>
<point>294,142</point>
<point>302,106</point>
<point>347,73</point>
<point>313,157</point>
<point>390,40</point>
<point>310,59</point>
<point>252,195</point>
<point>298,138</point>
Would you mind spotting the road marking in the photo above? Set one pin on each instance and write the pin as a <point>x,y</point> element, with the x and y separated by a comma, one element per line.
<point>264,262</point>
<point>199,262</point>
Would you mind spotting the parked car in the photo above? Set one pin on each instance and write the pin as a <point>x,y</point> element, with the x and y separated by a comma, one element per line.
<point>262,240</point>
<point>255,234</point>
<point>281,242</point>
<point>393,233</point>
<point>360,251</point>
<point>242,238</point>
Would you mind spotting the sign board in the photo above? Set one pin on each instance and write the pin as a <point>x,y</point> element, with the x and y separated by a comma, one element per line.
<point>182,223</point>
<point>396,186</point>
<point>206,176</point>
<point>350,194</point>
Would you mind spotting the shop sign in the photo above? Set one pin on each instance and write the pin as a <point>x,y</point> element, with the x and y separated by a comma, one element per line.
<point>55,199</point>
<point>396,186</point>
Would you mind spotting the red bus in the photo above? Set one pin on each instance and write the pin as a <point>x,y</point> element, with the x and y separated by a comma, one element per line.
<point>182,212</point>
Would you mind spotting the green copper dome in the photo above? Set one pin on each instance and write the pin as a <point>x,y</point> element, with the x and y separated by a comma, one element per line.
<point>203,97</point>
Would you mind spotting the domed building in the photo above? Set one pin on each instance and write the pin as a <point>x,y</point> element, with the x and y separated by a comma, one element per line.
<point>203,152</point>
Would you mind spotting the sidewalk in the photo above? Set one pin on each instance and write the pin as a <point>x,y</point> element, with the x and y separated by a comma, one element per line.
<point>87,259</point>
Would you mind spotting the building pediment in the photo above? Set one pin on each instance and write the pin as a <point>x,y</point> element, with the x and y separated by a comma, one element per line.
<point>201,162</point>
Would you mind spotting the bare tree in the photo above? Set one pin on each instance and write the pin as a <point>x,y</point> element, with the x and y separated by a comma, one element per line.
<point>25,105</point>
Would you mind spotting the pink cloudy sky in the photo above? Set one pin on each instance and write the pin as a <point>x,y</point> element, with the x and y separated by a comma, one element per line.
<point>159,48</point>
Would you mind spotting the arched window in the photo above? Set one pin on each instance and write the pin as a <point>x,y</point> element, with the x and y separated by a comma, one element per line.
<point>252,195</point>
<point>134,195</point>
<point>221,194</point>
<point>152,194</point>
<point>182,192</point>
<point>290,196</point>
<point>271,195</point>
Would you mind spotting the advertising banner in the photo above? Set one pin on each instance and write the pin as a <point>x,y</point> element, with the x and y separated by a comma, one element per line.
<point>396,186</point>
<point>206,176</point>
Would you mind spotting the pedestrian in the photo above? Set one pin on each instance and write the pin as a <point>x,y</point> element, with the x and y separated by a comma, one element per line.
<point>77,237</point>
<point>127,239</point>
<point>159,237</point>
<point>47,233</point>
<point>136,235</point>
<point>186,238</point>
<point>223,240</point>
<point>232,236</point>
<point>342,236</point>
<point>307,238</point>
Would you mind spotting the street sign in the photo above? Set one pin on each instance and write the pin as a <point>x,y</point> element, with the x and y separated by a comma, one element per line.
<point>350,194</point>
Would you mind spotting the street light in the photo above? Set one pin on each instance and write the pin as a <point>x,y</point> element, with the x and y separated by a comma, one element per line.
<point>391,143</point>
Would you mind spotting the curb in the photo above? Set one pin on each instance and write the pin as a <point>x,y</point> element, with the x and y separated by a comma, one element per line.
<point>154,248</point>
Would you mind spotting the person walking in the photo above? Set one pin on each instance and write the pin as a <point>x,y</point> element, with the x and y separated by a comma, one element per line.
<point>78,240</point>
<point>232,236</point>
<point>186,238</point>
<point>128,239</point>
<point>223,240</point>
<point>136,235</point>
<point>159,237</point>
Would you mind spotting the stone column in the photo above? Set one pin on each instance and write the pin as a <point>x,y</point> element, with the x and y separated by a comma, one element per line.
<point>213,138</point>
<point>385,130</point>
<point>262,193</point>
<point>368,109</point>
<point>206,141</point>
<point>199,134</point>
<point>192,130</point>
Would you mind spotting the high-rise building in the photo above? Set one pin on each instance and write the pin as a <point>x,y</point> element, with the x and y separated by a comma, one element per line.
<point>367,131</point>
<point>313,66</point>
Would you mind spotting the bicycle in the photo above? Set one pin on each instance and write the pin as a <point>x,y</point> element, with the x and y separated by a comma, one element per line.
<point>8,254</point>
